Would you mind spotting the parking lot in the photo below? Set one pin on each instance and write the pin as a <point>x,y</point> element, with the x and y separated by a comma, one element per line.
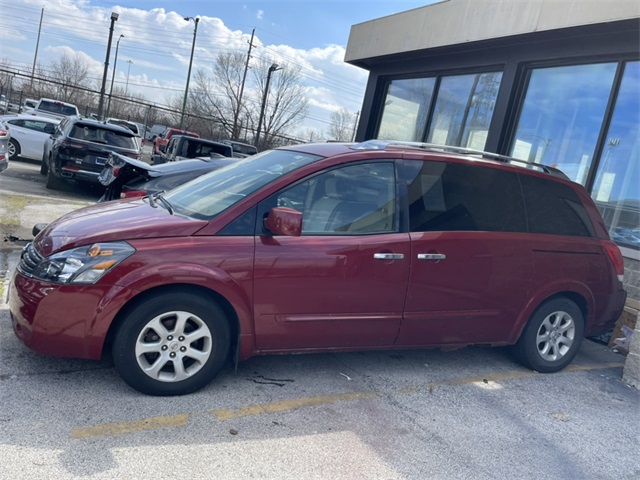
<point>415,414</point>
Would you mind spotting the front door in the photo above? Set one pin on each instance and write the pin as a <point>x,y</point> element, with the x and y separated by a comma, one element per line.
<point>343,282</point>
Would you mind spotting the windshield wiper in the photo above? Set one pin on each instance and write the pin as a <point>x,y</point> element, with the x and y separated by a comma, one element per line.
<point>152,202</point>
<point>164,202</point>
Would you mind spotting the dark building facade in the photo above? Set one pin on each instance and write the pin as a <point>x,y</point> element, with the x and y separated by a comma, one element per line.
<point>550,81</point>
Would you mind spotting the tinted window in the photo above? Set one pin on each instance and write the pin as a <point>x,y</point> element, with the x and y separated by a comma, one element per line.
<point>58,108</point>
<point>92,133</point>
<point>554,208</point>
<point>352,200</point>
<point>454,197</point>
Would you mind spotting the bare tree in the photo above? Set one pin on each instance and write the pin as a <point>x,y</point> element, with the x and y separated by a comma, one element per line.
<point>311,135</point>
<point>228,71</point>
<point>72,75</point>
<point>341,128</point>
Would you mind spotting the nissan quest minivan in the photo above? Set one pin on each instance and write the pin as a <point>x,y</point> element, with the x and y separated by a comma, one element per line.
<point>322,247</point>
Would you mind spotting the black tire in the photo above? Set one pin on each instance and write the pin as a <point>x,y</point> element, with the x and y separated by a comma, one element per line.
<point>14,149</point>
<point>53,182</point>
<point>552,337</point>
<point>44,168</point>
<point>153,326</point>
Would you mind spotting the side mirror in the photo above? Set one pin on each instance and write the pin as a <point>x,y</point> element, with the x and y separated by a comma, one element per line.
<point>284,221</point>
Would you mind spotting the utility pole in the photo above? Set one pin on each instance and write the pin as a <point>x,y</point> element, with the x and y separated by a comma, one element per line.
<point>234,133</point>
<point>355,125</point>
<point>114,18</point>
<point>186,89</point>
<point>35,57</point>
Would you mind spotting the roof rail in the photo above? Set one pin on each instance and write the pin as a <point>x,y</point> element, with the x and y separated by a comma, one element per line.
<point>432,147</point>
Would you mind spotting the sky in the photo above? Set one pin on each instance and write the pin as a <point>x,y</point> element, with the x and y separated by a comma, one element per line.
<point>154,53</point>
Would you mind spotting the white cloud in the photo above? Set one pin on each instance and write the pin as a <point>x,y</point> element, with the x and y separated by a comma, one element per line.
<point>158,42</point>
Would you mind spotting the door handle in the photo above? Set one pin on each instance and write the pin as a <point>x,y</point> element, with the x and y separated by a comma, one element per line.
<point>431,256</point>
<point>388,256</point>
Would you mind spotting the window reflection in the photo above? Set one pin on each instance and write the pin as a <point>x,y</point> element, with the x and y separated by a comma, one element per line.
<point>616,190</point>
<point>464,109</point>
<point>562,115</point>
<point>406,108</point>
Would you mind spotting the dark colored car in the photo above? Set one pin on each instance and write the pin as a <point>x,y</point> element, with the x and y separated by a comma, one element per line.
<point>241,150</point>
<point>125,177</point>
<point>324,247</point>
<point>79,148</point>
<point>161,141</point>
<point>182,147</point>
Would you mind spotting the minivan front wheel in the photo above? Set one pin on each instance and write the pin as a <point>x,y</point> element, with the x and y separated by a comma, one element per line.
<point>171,345</point>
<point>552,337</point>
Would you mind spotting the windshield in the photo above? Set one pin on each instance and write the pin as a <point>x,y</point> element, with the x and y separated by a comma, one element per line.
<point>207,196</point>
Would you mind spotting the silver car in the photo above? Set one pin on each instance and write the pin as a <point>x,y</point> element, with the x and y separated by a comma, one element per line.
<point>4,149</point>
<point>28,134</point>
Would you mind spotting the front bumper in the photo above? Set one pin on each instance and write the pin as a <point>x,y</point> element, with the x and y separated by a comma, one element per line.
<point>61,320</point>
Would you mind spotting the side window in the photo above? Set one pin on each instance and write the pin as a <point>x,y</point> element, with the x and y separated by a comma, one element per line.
<point>454,197</point>
<point>554,208</point>
<point>356,199</point>
<point>244,225</point>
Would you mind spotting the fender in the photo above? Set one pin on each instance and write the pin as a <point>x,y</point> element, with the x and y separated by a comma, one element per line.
<point>549,290</point>
<point>237,291</point>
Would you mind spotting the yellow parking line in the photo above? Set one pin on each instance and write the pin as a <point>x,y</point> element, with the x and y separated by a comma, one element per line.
<point>289,405</point>
<point>111,429</point>
<point>180,420</point>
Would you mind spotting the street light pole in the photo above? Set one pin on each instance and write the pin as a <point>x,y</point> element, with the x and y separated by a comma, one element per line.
<point>114,18</point>
<point>272,69</point>
<point>113,75</point>
<point>126,87</point>
<point>186,90</point>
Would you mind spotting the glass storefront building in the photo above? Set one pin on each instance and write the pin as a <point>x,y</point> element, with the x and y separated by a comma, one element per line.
<point>565,95</point>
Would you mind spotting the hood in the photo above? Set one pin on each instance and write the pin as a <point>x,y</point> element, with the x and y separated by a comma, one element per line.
<point>119,220</point>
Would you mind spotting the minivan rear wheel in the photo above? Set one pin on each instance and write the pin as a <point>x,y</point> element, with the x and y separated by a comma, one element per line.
<point>552,337</point>
<point>173,344</point>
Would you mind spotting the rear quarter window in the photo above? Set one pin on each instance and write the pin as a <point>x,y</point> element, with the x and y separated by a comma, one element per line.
<point>554,208</point>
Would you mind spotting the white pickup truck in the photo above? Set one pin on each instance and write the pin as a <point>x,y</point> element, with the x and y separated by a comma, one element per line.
<point>47,107</point>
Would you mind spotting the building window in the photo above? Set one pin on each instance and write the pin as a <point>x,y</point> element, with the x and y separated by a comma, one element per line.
<point>464,106</point>
<point>616,189</point>
<point>562,115</point>
<point>464,109</point>
<point>406,108</point>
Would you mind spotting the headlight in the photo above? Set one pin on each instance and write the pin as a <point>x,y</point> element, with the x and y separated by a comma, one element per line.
<point>83,264</point>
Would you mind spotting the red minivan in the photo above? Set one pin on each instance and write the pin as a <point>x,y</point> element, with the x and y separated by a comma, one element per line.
<point>322,247</point>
